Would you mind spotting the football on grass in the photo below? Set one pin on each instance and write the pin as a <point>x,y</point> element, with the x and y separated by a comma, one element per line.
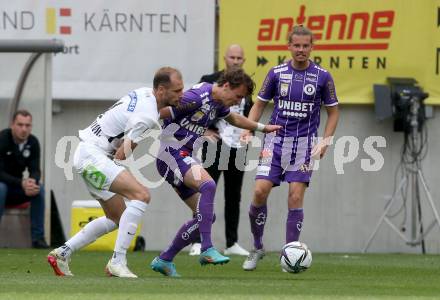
<point>295,257</point>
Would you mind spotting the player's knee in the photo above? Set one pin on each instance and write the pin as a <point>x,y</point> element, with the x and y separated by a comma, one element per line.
<point>115,218</point>
<point>207,186</point>
<point>142,195</point>
<point>295,199</point>
<point>260,195</point>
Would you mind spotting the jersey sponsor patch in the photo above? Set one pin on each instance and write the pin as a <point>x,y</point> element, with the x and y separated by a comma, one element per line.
<point>299,77</point>
<point>189,160</point>
<point>263,170</point>
<point>94,177</point>
<point>284,89</point>
<point>331,90</point>
<point>312,77</point>
<point>305,168</point>
<point>285,76</point>
<point>197,116</point>
<point>133,101</point>
<point>265,156</point>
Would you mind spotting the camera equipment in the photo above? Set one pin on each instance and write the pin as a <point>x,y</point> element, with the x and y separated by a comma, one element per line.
<point>403,100</point>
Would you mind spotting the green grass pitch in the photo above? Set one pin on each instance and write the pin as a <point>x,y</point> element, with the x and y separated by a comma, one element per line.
<point>25,274</point>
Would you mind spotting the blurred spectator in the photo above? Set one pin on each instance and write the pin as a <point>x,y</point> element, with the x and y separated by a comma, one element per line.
<point>20,150</point>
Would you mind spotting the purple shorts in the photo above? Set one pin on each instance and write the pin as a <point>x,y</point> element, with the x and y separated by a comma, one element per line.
<point>285,159</point>
<point>172,165</point>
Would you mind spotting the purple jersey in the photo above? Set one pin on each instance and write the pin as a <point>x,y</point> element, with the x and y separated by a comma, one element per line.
<point>195,113</point>
<point>297,96</point>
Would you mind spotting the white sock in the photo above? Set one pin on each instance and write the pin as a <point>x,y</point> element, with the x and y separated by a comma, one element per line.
<point>89,234</point>
<point>65,251</point>
<point>130,219</point>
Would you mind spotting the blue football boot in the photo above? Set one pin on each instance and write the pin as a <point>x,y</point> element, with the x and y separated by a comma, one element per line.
<point>212,256</point>
<point>167,268</point>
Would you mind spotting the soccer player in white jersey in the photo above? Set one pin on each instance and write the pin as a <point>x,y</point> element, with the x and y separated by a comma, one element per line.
<point>112,136</point>
<point>298,88</point>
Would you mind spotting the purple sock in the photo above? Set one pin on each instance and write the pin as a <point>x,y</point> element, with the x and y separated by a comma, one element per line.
<point>186,235</point>
<point>257,217</point>
<point>294,224</point>
<point>206,212</point>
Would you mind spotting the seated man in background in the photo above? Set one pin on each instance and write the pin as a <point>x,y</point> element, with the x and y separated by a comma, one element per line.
<point>20,150</point>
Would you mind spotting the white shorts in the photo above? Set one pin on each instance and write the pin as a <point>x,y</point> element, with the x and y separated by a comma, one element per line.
<point>97,170</point>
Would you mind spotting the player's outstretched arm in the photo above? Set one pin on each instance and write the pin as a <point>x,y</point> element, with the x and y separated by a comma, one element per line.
<point>257,110</point>
<point>242,122</point>
<point>255,113</point>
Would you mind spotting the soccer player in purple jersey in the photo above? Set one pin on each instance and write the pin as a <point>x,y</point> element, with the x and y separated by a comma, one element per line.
<point>298,89</point>
<point>184,125</point>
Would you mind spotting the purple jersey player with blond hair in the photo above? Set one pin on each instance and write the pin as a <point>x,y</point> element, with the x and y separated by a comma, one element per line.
<point>298,88</point>
<point>184,126</point>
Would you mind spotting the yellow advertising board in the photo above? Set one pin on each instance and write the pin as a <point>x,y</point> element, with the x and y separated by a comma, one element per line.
<point>361,43</point>
<point>85,211</point>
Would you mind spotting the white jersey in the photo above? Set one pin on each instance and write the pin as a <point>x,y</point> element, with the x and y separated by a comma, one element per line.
<point>229,133</point>
<point>128,118</point>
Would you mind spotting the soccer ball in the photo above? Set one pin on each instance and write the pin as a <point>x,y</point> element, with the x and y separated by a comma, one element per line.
<point>295,257</point>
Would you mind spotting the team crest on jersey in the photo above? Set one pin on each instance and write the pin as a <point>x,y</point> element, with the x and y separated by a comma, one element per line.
<point>26,153</point>
<point>284,89</point>
<point>133,101</point>
<point>197,116</point>
<point>309,89</point>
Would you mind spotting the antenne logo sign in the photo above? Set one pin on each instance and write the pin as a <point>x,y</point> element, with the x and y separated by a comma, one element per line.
<point>51,20</point>
<point>343,31</point>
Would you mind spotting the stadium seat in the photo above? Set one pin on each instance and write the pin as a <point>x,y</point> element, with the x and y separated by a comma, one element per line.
<point>15,226</point>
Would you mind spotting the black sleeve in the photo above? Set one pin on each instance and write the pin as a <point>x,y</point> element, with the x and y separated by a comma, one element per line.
<point>211,78</point>
<point>4,176</point>
<point>204,79</point>
<point>247,106</point>
<point>34,161</point>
